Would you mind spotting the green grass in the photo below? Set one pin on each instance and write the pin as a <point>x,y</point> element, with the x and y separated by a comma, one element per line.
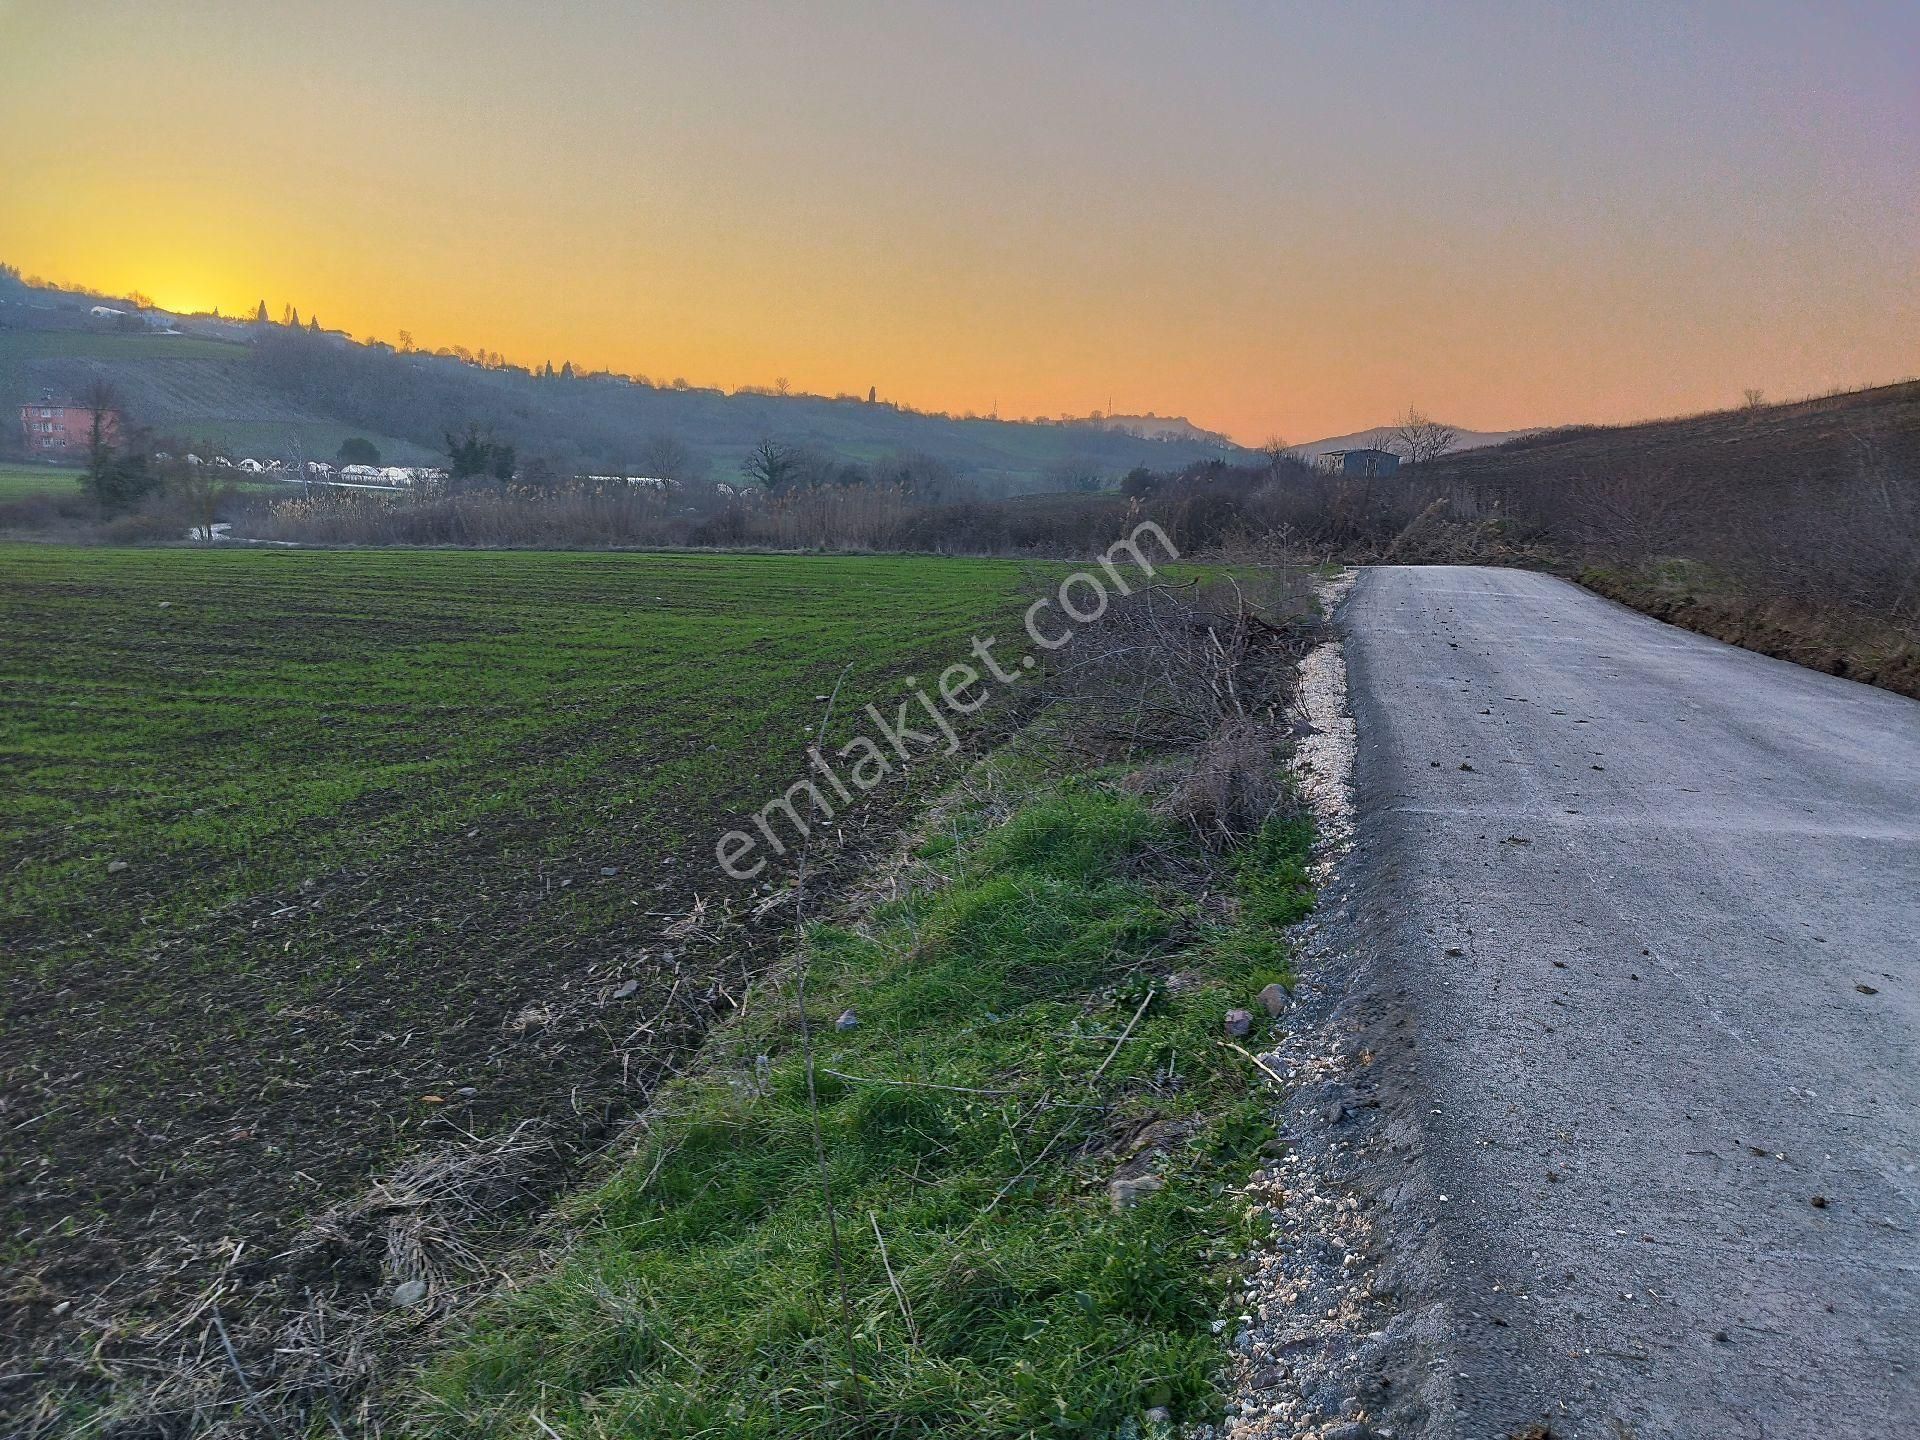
<point>17,482</point>
<point>20,482</point>
<point>994,1098</point>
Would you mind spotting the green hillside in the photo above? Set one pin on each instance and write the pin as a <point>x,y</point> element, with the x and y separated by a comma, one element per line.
<point>276,392</point>
<point>607,422</point>
<point>184,385</point>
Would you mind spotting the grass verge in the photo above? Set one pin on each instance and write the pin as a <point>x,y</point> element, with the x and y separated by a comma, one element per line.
<point>1032,1127</point>
<point>1835,640</point>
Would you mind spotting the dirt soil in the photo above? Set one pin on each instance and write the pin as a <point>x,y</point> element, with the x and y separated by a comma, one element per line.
<point>162,1200</point>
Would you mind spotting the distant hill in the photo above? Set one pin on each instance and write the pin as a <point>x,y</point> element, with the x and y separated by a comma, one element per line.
<point>1816,445</point>
<point>1364,439</point>
<point>268,390</point>
<point>1156,427</point>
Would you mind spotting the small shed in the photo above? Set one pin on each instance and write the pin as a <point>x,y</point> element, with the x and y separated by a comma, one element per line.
<point>1365,462</point>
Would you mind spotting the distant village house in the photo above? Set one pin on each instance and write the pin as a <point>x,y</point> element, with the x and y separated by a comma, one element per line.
<point>60,429</point>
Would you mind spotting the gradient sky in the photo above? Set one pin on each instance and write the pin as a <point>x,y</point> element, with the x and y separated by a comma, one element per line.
<point>1273,218</point>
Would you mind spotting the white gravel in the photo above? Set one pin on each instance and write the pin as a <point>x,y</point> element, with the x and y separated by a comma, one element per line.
<point>1323,757</point>
<point>1309,1330</point>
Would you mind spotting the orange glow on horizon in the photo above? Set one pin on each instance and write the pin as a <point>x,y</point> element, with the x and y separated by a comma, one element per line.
<point>1583,217</point>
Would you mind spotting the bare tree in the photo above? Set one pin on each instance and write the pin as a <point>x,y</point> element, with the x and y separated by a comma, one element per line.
<point>102,403</point>
<point>201,489</point>
<point>1631,512</point>
<point>1753,398</point>
<point>668,457</point>
<point>925,479</point>
<point>1075,475</point>
<point>1416,438</point>
<point>119,458</point>
<point>773,464</point>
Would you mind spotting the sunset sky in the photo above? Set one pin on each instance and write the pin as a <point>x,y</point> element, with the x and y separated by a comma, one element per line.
<point>1272,218</point>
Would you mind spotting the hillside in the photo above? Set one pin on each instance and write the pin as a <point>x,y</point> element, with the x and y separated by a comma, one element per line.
<point>179,384</point>
<point>1792,529</point>
<point>1811,444</point>
<point>266,389</point>
<point>607,422</point>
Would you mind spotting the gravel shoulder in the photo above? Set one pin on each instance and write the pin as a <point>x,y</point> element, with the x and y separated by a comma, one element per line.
<point>1617,1113</point>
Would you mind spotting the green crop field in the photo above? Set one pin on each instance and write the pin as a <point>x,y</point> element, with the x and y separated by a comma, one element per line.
<point>312,858</point>
<point>19,481</point>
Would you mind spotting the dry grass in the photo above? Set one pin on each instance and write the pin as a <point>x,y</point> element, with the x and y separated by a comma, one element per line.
<point>1202,669</point>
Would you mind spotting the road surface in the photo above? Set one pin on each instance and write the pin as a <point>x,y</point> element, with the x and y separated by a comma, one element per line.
<point>1646,913</point>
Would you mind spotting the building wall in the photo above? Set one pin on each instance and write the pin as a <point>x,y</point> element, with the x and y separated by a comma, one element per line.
<point>65,430</point>
<point>1369,462</point>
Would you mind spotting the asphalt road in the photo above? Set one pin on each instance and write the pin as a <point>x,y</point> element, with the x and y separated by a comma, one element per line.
<point>1646,911</point>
